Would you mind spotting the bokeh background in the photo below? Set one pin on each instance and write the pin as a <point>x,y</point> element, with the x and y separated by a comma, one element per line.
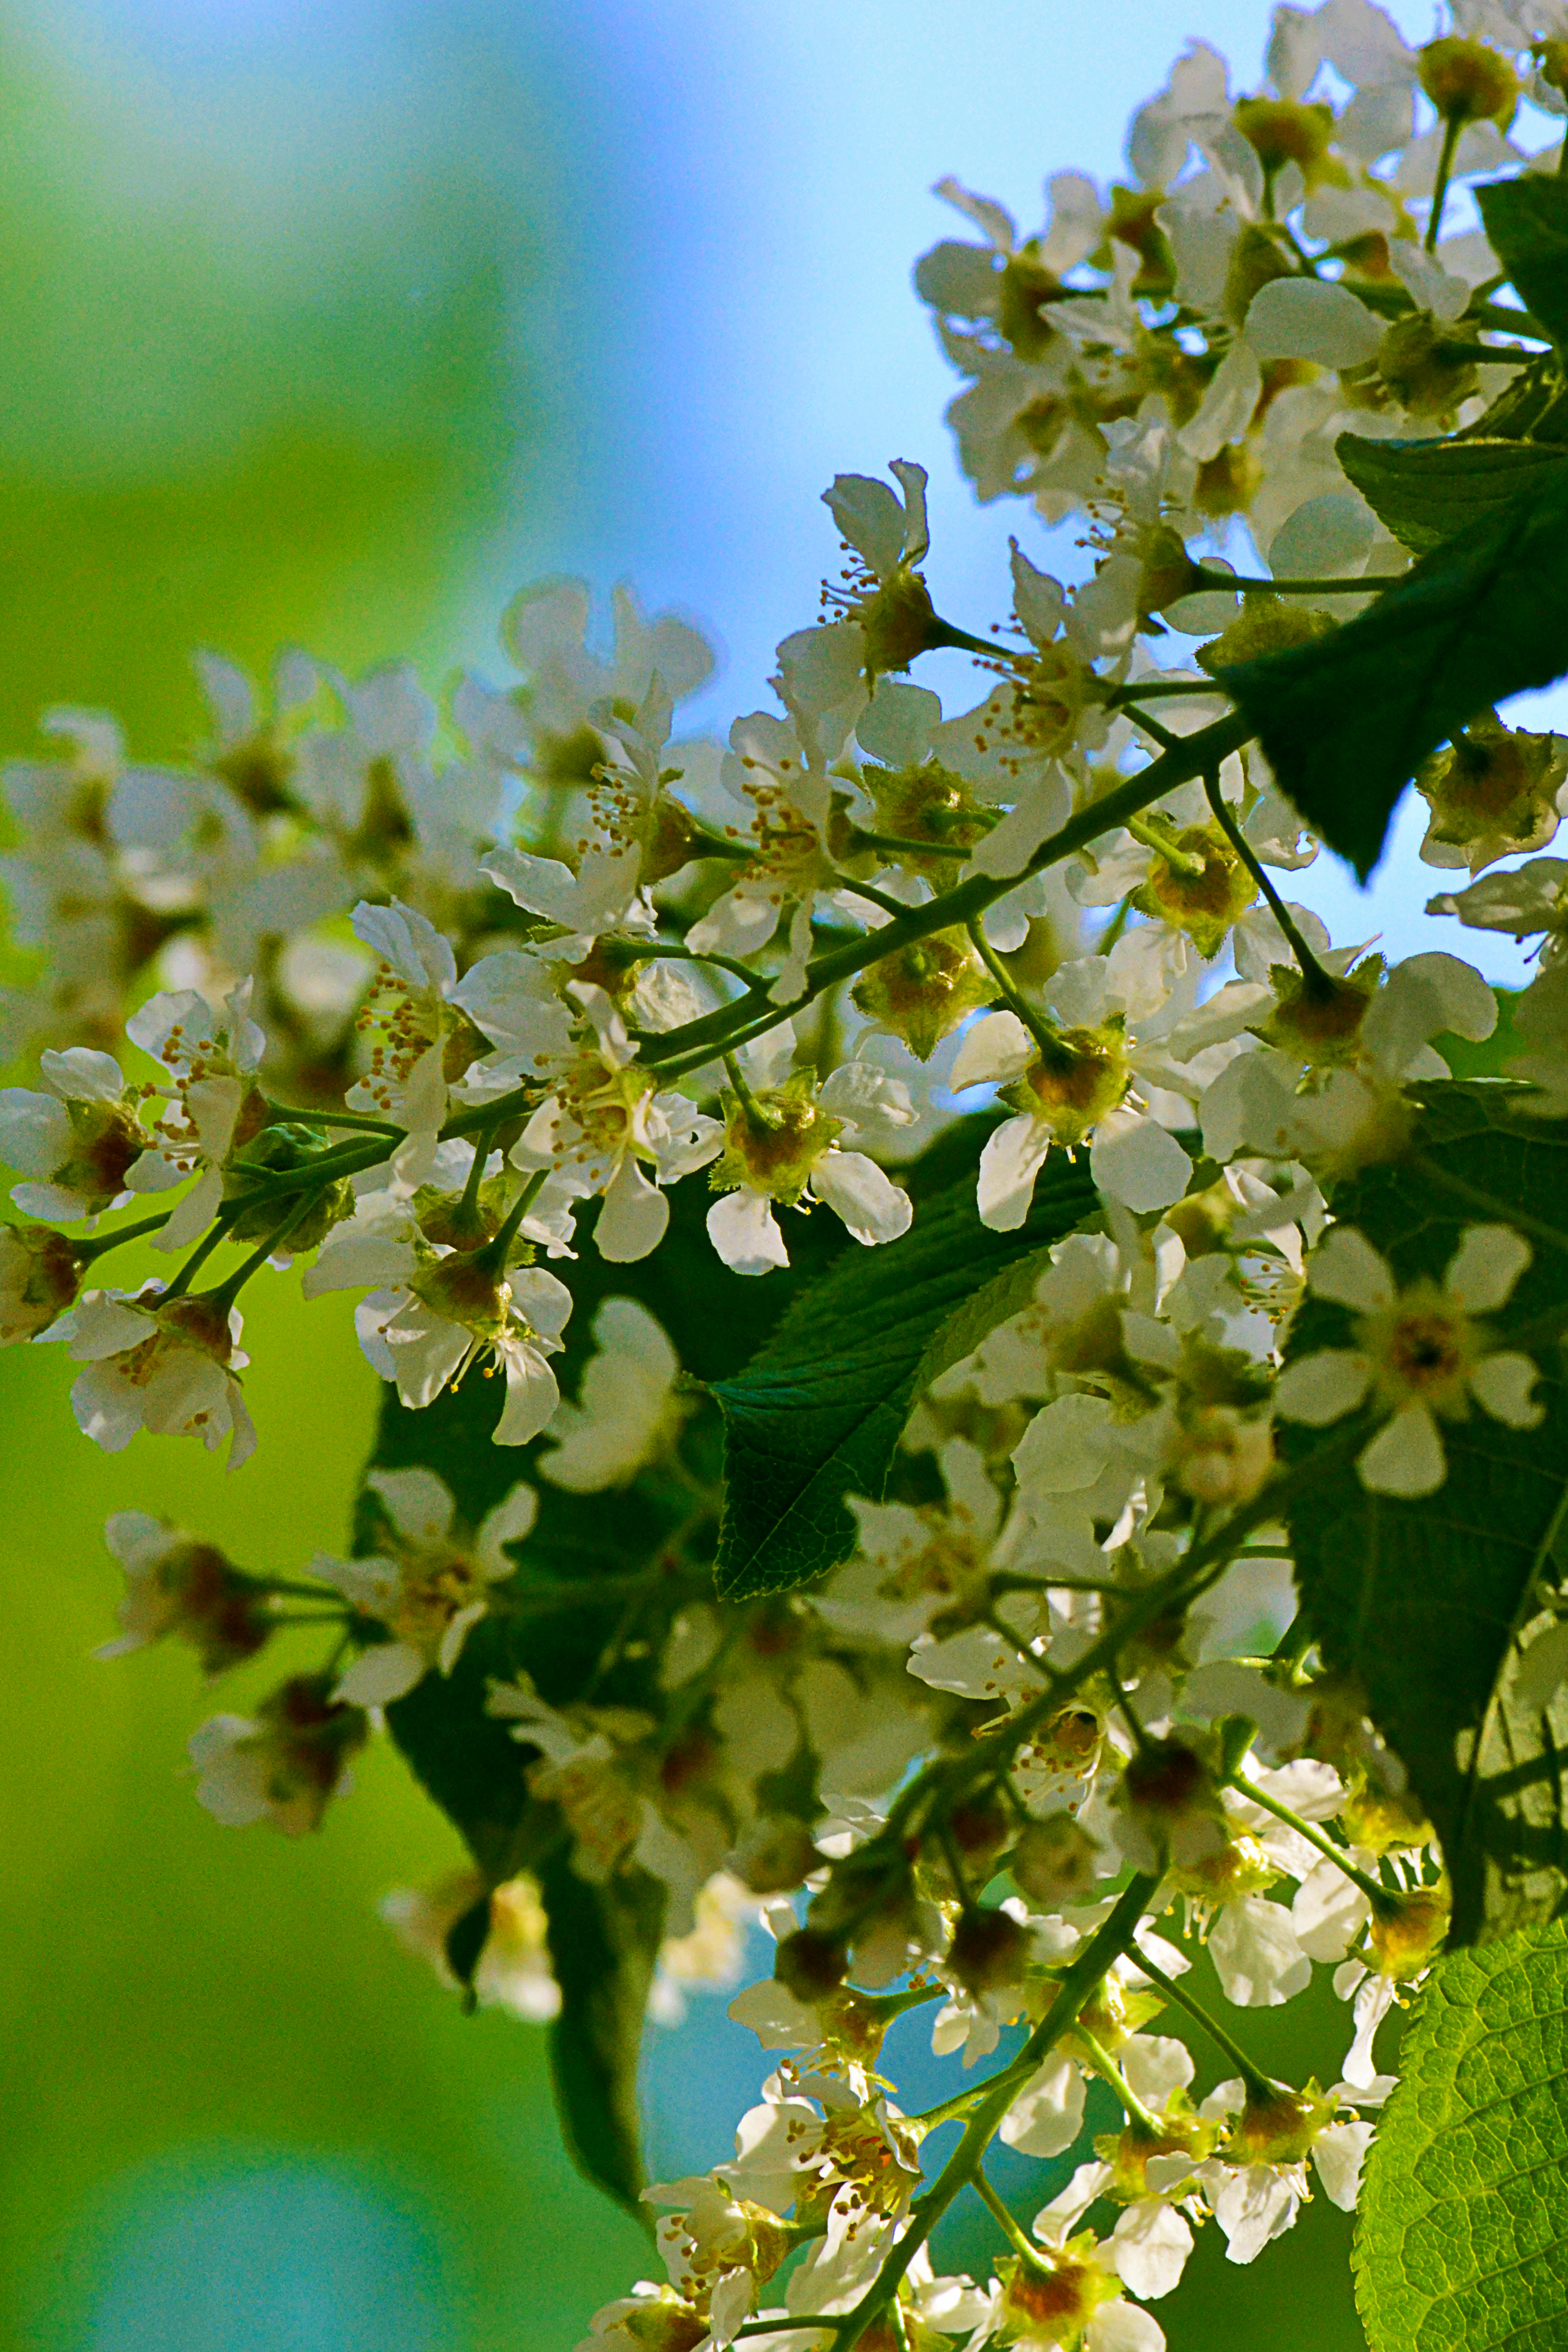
<point>330,321</point>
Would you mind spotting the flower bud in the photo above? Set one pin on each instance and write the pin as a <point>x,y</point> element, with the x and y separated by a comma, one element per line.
<point>774,1858</point>
<point>1169,572</point>
<point>1054,1861</point>
<point>923,991</point>
<point>988,1949</point>
<point>1081,1075</point>
<point>899,622</point>
<point>1492,791</point>
<point>1128,2151</point>
<point>928,803</point>
<point>1227,482</point>
<point>39,1275</point>
<point>287,1144</point>
<point>1134,223</point>
<point>773,1140</point>
<point>1027,289</point>
<point>1169,1806</point>
<point>1429,367</point>
<point>1279,2126</point>
<point>178,1587</point>
<point>1281,130</point>
<point>1468,81</point>
<point>1222,1456</point>
<point>1408,1931</point>
<point>1256,260</point>
<point>810,1964</point>
<point>1201,888</point>
<point>980,1827</point>
<point>1382,1820</point>
<point>1052,2301</point>
<point>1317,1017</point>
<point>1266,625</point>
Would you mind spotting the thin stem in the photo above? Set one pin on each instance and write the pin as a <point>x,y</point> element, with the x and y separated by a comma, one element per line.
<point>229,1288</point>
<point>1037,1029</point>
<point>760,1114</point>
<point>1078,1983</point>
<point>1106,2067</point>
<point>1143,689</point>
<point>293,1590</point>
<point>1258,2083</point>
<point>1376,1894</point>
<point>86,1251</point>
<point>689,1047</point>
<point>1451,130</point>
<point>1212,578</point>
<point>895,840</point>
<point>332,1118</point>
<point>1117,925</point>
<point>197,1260</point>
<point>1155,837</point>
<point>1307,963</point>
<point>955,1861</point>
<point>959,640</point>
<point>1152,727</point>
<point>883,899</point>
<point>477,1170</point>
<point>1004,2220</point>
<point>520,1208</point>
<point>683,953</point>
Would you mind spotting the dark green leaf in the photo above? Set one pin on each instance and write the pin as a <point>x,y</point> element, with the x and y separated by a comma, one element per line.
<point>1423,1600</point>
<point>1426,491</point>
<point>1463,2240</point>
<point>1347,719</point>
<point>1526,221</point>
<point>818,1414</point>
<point>604,1943</point>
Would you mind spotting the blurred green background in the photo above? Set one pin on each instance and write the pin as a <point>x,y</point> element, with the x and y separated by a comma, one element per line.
<point>327,325</point>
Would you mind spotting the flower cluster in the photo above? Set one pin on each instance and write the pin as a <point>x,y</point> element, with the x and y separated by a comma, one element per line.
<point>463,1007</point>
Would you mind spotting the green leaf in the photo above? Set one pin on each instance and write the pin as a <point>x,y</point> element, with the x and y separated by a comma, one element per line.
<point>604,1939</point>
<point>1463,2238</point>
<point>818,1413</point>
<point>1347,719</point>
<point>1422,1601</point>
<point>1526,221</point>
<point>1426,491</point>
<point>604,1943</point>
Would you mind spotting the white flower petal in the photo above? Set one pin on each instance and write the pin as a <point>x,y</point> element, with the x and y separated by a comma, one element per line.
<point>1339,2152</point>
<point>1122,2327</point>
<point>743,1229</point>
<point>872,1207</point>
<point>1346,1268</point>
<point>1486,1265</point>
<point>1405,1457</point>
<point>378,1676</point>
<point>1150,2246</point>
<point>1324,1387</point>
<point>419,1503</point>
<point>998,1048</point>
<point>1139,1162</point>
<point>1009,1164</point>
<point>1502,1385</point>
<point>633,1220</point>
<point>1311,319</point>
